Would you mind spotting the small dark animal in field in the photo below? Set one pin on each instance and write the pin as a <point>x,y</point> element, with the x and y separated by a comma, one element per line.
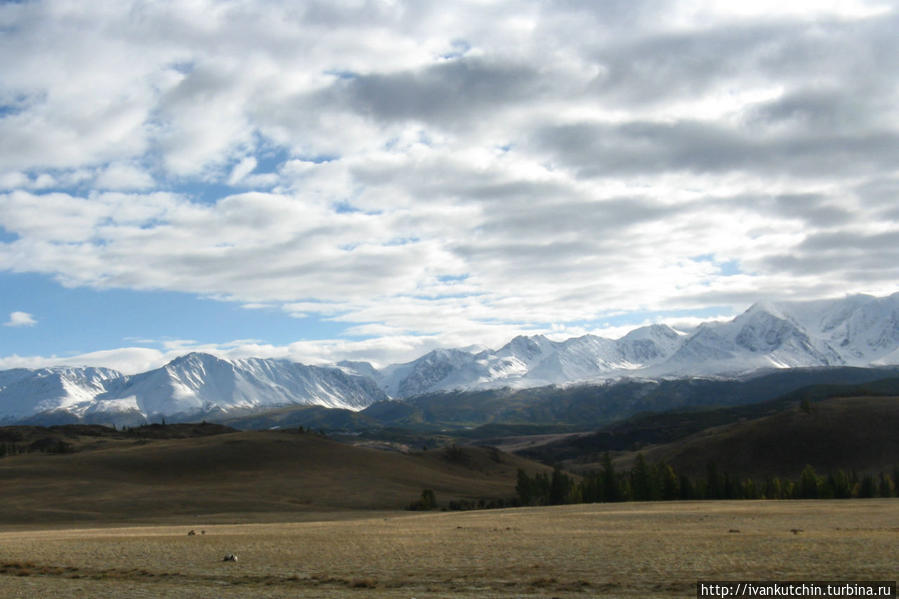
<point>230,558</point>
<point>733,530</point>
<point>795,531</point>
<point>192,533</point>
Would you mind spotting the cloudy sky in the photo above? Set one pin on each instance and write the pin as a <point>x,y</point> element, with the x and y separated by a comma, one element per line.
<point>370,179</point>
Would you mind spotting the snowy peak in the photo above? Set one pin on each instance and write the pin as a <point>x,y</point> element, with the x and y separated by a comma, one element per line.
<point>438,369</point>
<point>198,383</point>
<point>527,349</point>
<point>764,307</point>
<point>192,385</point>
<point>358,368</point>
<point>862,328</point>
<point>764,336</point>
<point>530,362</point>
<point>763,329</point>
<point>24,392</point>
<point>649,345</point>
<point>858,330</point>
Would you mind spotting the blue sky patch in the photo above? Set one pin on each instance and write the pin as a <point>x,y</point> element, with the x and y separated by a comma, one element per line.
<point>79,320</point>
<point>7,236</point>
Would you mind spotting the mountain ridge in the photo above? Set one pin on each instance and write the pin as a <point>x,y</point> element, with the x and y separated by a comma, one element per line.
<point>858,330</point>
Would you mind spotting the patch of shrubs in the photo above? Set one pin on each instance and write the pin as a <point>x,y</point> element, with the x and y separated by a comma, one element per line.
<point>483,503</point>
<point>51,445</point>
<point>456,455</point>
<point>427,501</point>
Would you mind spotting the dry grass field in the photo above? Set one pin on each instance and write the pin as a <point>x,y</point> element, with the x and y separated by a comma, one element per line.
<point>628,550</point>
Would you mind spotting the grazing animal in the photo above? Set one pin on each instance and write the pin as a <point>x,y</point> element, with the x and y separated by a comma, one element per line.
<point>192,533</point>
<point>230,558</point>
<point>795,531</point>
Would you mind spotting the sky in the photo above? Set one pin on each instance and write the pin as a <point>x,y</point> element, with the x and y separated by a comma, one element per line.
<point>372,179</point>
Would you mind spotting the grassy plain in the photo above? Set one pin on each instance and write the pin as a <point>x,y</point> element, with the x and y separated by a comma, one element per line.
<point>627,550</point>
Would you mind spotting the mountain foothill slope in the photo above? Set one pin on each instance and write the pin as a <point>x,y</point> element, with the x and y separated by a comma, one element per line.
<point>216,474</point>
<point>853,434</point>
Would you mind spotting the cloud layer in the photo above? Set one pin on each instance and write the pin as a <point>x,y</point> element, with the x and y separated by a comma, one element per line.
<point>448,174</point>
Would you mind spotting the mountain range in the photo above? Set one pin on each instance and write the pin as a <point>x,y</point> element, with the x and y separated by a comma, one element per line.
<point>858,330</point>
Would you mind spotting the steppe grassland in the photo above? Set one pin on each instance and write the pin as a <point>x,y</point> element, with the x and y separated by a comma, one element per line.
<point>635,549</point>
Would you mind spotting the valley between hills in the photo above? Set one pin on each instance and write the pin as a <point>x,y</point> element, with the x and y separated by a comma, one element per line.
<point>625,487</point>
<point>150,511</point>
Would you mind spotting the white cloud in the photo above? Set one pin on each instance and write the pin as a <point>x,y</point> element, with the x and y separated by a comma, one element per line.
<point>20,319</point>
<point>12,180</point>
<point>241,170</point>
<point>124,176</point>
<point>127,360</point>
<point>422,174</point>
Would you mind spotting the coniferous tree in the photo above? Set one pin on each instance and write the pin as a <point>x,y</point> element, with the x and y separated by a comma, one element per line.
<point>772,488</point>
<point>524,488</point>
<point>609,479</point>
<point>624,488</point>
<point>428,499</point>
<point>669,485</point>
<point>685,488</point>
<point>842,488</point>
<point>828,488</point>
<point>712,482</point>
<point>730,487</point>
<point>559,487</point>
<point>867,488</point>
<point>641,480</point>
<point>541,489</point>
<point>591,488</point>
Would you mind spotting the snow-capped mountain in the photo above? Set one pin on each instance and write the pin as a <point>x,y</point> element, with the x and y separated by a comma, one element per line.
<point>192,385</point>
<point>856,331</point>
<point>441,368</point>
<point>765,336</point>
<point>531,362</point>
<point>863,329</point>
<point>25,392</point>
<point>198,383</point>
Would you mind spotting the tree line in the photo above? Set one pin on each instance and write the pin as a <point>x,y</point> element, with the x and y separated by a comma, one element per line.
<point>661,482</point>
<point>45,445</point>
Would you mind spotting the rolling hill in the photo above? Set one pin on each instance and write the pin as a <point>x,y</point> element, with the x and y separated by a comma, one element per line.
<point>848,433</point>
<point>217,477</point>
<point>653,428</point>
